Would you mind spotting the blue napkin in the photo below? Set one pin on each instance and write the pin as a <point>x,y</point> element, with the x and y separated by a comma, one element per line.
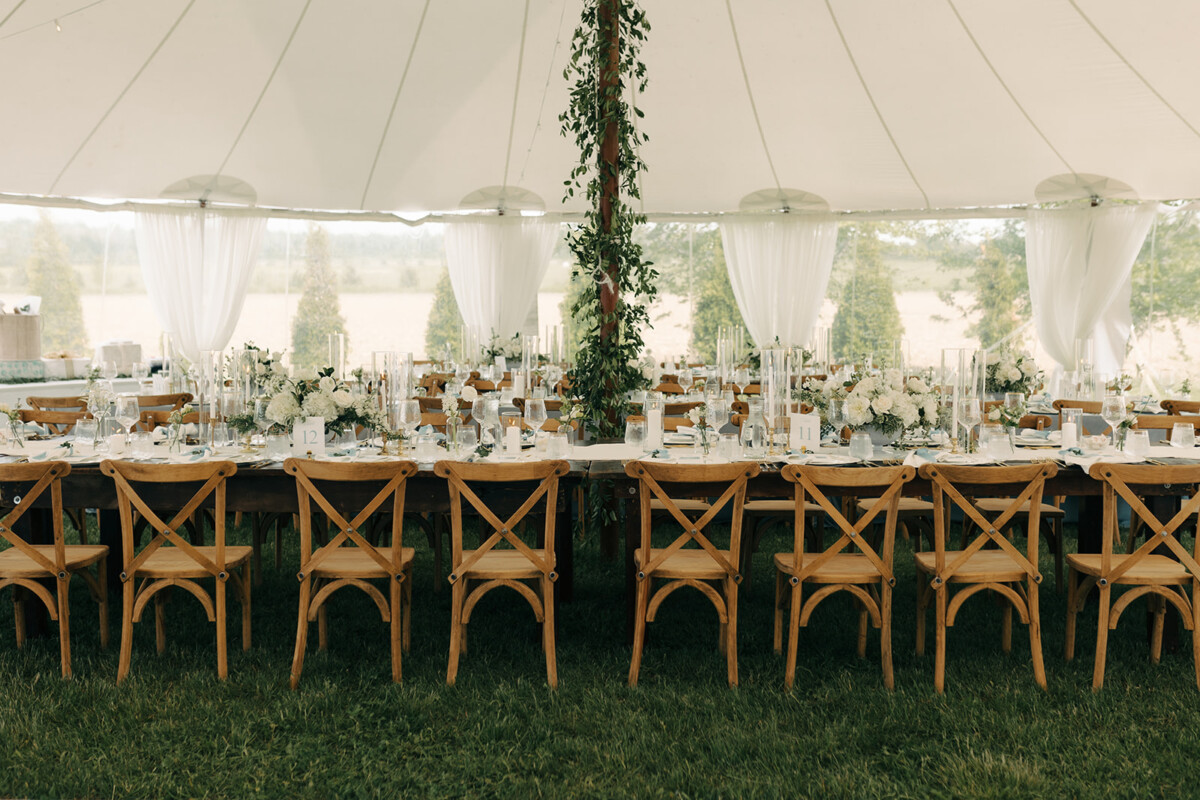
<point>926,454</point>
<point>661,453</point>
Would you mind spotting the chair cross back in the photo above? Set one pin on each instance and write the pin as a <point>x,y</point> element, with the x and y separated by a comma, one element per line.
<point>1115,479</point>
<point>56,422</point>
<point>693,529</point>
<point>457,476</point>
<point>44,475</point>
<point>349,530</point>
<point>887,502</point>
<point>1034,476</point>
<point>213,476</point>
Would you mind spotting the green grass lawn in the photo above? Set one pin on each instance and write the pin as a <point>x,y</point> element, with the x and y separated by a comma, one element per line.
<point>174,730</point>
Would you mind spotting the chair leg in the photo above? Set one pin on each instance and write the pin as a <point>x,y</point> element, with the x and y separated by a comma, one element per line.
<point>750,536</point>
<point>1006,615</point>
<point>126,629</point>
<point>922,606</point>
<point>160,624</point>
<point>639,629</point>
<point>322,628</point>
<point>395,625</point>
<point>548,632</point>
<point>19,615</point>
<point>301,633</point>
<point>731,605</point>
<point>256,545</point>
<point>780,583</point>
<point>939,663</point>
<point>885,633</point>
<point>222,653</point>
<point>407,610</point>
<point>457,597</point>
<point>1196,628</point>
<point>1101,639</point>
<point>1159,606</point>
<point>246,583</point>
<point>64,624</point>
<point>1072,610</point>
<point>797,599</point>
<point>102,599</point>
<point>862,629</point>
<point>1035,632</point>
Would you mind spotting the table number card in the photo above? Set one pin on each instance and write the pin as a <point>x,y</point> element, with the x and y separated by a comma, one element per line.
<point>309,437</point>
<point>805,433</point>
<point>502,366</point>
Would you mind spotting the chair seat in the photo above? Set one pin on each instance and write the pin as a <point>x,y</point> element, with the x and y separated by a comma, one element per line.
<point>779,506</point>
<point>172,562</point>
<point>353,562</point>
<point>503,564</point>
<point>907,507</point>
<point>842,568</point>
<point>983,566</point>
<point>15,564</point>
<point>682,505</point>
<point>1149,569</point>
<point>689,563</point>
<point>998,505</point>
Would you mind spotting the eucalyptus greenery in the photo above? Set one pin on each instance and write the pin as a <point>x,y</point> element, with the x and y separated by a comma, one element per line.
<point>606,365</point>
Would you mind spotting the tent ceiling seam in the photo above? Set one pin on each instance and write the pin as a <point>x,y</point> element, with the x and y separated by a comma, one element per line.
<point>257,102</point>
<point>1133,69</point>
<point>737,44</point>
<point>1007,90</point>
<point>395,101</point>
<point>51,21</point>
<point>14,10</point>
<point>512,122</point>
<point>545,92</point>
<point>121,96</point>
<point>871,98</point>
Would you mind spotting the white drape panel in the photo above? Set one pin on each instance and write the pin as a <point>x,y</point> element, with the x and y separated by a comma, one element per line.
<point>779,267</point>
<point>496,266</point>
<point>197,264</point>
<point>1080,261</point>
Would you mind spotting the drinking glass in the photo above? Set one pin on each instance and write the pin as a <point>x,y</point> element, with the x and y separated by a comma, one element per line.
<point>261,420</point>
<point>1183,434</point>
<point>467,440</point>
<point>109,370</point>
<point>1013,400</point>
<point>729,448</point>
<point>685,379</point>
<point>409,417</point>
<point>557,445</point>
<point>143,444</point>
<point>85,432</point>
<point>535,414</point>
<point>861,446</point>
<point>1139,443</point>
<point>1112,411</point>
<point>969,415</point>
<point>127,414</point>
<point>836,416</point>
<point>635,433</point>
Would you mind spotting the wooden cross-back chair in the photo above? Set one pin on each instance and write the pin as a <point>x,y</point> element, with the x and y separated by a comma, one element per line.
<point>169,402</point>
<point>1163,422</point>
<point>1177,407</point>
<point>669,387</point>
<point>1005,570</point>
<point>349,559</point>
<point>476,572</point>
<point>1163,578</point>
<point>56,423</point>
<point>23,565</point>
<point>430,404</point>
<point>151,419</point>
<point>1086,406</point>
<point>438,420</point>
<point>865,571</point>
<point>680,565</point>
<point>169,560</point>
<point>76,403</point>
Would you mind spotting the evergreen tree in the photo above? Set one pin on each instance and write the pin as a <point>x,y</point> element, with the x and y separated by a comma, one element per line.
<point>715,303</point>
<point>998,286</point>
<point>445,321</point>
<point>318,313</point>
<point>867,319</point>
<point>49,276</point>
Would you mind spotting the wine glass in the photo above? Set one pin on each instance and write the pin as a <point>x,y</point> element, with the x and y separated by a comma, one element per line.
<point>409,417</point>
<point>836,416</point>
<point>127,414</point>
<point>261,420</point>
<point>462,372</point>
<point>535,414</point>
<point>685,378</point>
<point>1112,411</point>
<point>969,415</point>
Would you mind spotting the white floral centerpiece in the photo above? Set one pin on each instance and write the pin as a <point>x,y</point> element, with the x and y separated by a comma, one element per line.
<point>15,427</point>
<point>886,402</point>
<point>315,393</point>
<point>700,417</point>
<point>1013,372</point>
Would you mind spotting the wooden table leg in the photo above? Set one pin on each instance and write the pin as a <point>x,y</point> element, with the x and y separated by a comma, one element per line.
<point>633,535</point>
<point>564,545</point>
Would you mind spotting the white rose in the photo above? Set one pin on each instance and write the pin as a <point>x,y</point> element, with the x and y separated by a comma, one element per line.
<point>694,416</point>
<point>858,410</point>
<point>1029,368</point>
<point>1012,375</point>
<point>866,385</point>
<point>906,410</point>
<point>917,385</point>
<point>343,398</point>
<point>882,404</point>
<point>931,408</point>
<point>327,384</point>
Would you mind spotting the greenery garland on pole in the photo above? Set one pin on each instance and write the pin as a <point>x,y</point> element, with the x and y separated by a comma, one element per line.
<point>617,284</point>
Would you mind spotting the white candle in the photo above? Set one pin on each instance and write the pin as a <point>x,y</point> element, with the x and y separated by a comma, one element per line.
<point>654,429</point>
<point>512,440</point>
<point>1070,435</point>
<point>954,414</point>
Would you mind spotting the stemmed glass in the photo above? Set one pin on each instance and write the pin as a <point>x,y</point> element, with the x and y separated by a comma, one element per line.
<point>836,416</point>
<point>685,378</point>
<point>127,414</point>
<point>261,421</point>
<point>1112,410</point>
<point>535,415</point>
<point>409,417</point>
<point>969,415</point>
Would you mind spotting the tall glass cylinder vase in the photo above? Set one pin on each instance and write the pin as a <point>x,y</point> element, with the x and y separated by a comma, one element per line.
<point>529,363</point>
<point>337,355</point>
<point>210,383</point>
<point>774,365</point>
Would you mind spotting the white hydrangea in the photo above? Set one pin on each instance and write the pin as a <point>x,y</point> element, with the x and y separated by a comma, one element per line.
<point>931,407</point>
<point>283,408</point>
<point>364,405</point>
<point>906,409</point>
<point>320,404</point>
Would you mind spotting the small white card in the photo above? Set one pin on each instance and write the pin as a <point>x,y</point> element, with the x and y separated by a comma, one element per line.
<point>309,437</point>
<point>805,433</point>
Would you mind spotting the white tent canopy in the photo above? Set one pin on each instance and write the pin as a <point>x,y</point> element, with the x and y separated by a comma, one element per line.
<point>408,104</point>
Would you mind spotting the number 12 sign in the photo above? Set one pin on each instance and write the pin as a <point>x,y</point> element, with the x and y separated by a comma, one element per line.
<point>309,437</point>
